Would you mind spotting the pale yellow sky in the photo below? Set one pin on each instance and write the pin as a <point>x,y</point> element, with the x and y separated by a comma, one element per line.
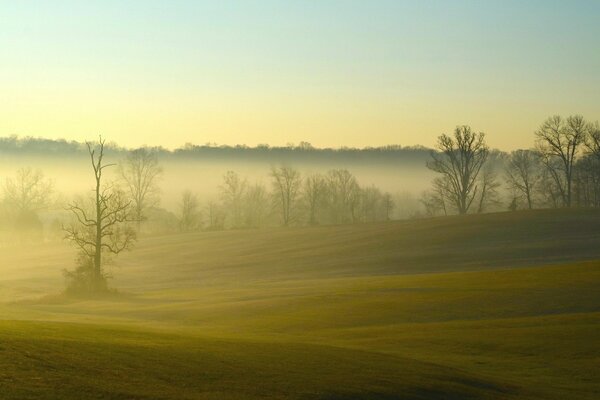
<point>388,72</point>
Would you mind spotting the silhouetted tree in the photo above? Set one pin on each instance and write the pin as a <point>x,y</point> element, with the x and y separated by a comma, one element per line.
<point>287,183</point>
<point>558,142</point>
<point>586,181</point>
<point>435,200</point>
<point>460,159</point>
<point>102,225</point>
<point>593,139</point>
<point>523,174</point>
<point>140,171</point>
<point>488,188</point>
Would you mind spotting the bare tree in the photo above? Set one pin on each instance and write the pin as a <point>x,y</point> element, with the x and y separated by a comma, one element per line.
<point>586,182</point>
<point>523,174</point>
<point>215,216</point>
<point>488,191</point>
<point>286,190</point>
<point>435,200</point>
<point>459,160</point>
<point>388,206</point>
<point>341,189</point>
<point>140,171</point>
<point>314,194</point>
<point>256,205</point>
<point>233,191</point>
<point>103,227</point>
<point>371,203</point>
<point>559,141</point>
<point>29,191</point>
<point>189,218</point>
<point>593,140</point>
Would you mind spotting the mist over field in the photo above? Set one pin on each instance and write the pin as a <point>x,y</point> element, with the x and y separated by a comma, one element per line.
<point>299,200</point>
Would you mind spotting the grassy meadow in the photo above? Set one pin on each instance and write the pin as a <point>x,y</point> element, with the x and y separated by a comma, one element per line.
<point>493,306</point>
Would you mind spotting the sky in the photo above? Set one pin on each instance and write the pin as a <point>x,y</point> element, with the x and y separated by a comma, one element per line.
<point>330,72</point>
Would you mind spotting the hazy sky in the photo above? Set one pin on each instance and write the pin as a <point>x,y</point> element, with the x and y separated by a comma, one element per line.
<point>332,73</point>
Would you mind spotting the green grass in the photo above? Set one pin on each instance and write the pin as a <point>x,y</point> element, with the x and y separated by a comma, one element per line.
<point>486,307</point>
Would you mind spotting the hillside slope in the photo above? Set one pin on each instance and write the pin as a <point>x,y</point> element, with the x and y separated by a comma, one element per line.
<point>492,306</point>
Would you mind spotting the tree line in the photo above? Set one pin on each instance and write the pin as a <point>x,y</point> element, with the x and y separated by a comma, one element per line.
<point>335,197</point>
<point>562,170</point>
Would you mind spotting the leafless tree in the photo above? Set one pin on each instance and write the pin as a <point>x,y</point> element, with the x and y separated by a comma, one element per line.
<point>559,142</point>
<point>593,140</point>
<point>341,190</point>
<point>388,206</point>
<point>586,181</point>
<point>140,172</point>
<point>488,189</point>
<point>314,194</point>
<point>29,191</point>
<point>233,191</point>
<point>189,218</point>
<point>103,226</point>
<point>287,183</point>
<point>550,187</point>
<point>256,205</point>
<point>460,159</point>
<point>435,200</point>
<point>371,202</point>
<point>215,216</point>
<point>523,174</point>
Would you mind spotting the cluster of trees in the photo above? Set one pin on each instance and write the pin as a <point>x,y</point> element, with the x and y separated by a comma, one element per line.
<point>108,221</point>
<point>563,170</point>
<point>23,196</point>
<point>333,198</point>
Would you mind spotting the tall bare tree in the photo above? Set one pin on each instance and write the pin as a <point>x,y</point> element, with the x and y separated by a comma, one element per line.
<point>488,188</point>
<point>256,205</point>
<point>341,190</point>
<point>233,192</point>
<point>314,194</point>
<point>215,216</point>
<point>102,225</point>
<point>140,171</point>
<point>189,219</point>
<point>29,191</point>
<point>460,159</point>
<point>287,183</point>
<point>559,142</point>
<point>388,206</point>
<point>593,140</point>
<point>435,200</point>
<point>523,174</point>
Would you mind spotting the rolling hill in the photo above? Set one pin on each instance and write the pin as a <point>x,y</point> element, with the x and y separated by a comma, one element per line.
<point>487,306</point>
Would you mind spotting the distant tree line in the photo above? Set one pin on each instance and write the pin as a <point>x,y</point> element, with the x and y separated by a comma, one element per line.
<point>290,153</point>
<point>291,200</point>
<point>562,170</point>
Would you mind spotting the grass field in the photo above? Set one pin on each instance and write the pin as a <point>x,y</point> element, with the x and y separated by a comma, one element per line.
<point>496,306</point>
